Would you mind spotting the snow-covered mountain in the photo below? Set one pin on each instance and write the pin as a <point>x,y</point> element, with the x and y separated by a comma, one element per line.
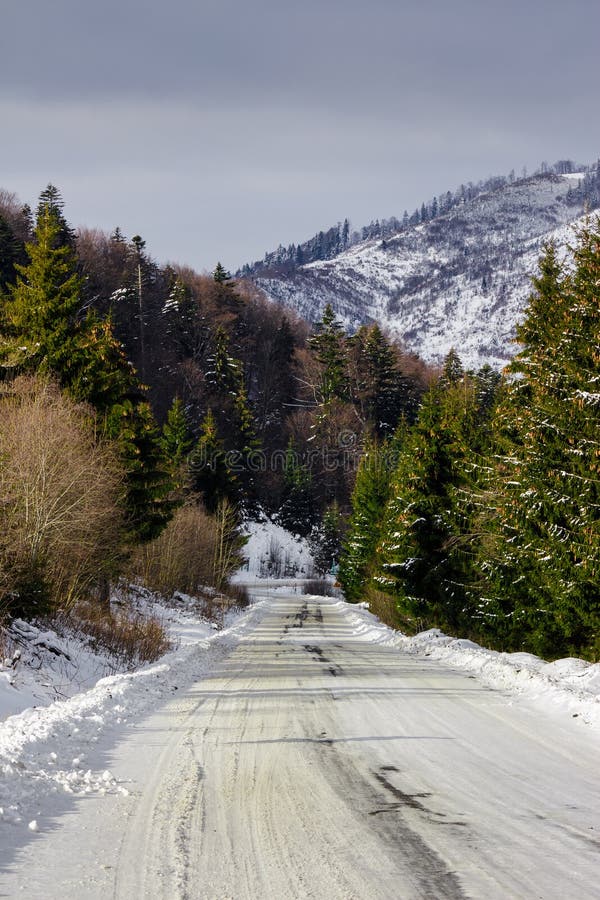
<point>460,280</point>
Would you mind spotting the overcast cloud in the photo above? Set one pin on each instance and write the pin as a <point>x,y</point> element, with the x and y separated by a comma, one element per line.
<point>219,129</point>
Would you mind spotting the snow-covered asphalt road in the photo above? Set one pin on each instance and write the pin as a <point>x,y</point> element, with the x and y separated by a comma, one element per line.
<point>315,763</point>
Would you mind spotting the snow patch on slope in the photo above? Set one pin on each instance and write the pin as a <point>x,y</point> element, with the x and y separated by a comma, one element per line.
<point>461,280</point>
<point>44,664</point>
<point>273,552</point>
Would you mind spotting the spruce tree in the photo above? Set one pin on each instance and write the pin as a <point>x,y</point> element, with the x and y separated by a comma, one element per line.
<point>11,252</point>
<point>383,388</point>
<point>186,326</point>
<point>223,373</point>
<point>234,418</point>
<point>137,251</point>
<point>51,200</point>
<point>548,553</point>
<point>369,499</point>
<point>221,275</point>
<point>40,314</point>
<point>148,485</point>
<point>329,348</point>
<point>487,386</point>
<point>296,511</point>
<point>453,371</point>
<point>420,558</point>
<point>247,445</point>
<point>100,374</point>
<point>209,470</point>
<point>326,540</point>
<point>176,444</point>
<point>380,391</point>
<point>274,385</point>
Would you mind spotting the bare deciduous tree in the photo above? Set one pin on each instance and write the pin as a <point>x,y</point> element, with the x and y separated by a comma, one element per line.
<point>59,493</point>
<point>181,557</point>
<point>196,550</point>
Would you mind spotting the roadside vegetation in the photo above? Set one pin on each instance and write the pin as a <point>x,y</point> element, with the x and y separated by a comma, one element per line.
<point>92,490</point>
<point>487,522</point>
<point>129,637</point>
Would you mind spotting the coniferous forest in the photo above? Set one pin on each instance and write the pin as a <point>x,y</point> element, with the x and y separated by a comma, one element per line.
<point>488,522</point>
<point>147,410</point>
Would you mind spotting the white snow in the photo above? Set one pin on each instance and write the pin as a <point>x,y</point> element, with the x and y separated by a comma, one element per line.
<point>565,686</point>
<point>273,552</point>
<point>43,749</point>
<point>43,666</point>
<point>461,280</point>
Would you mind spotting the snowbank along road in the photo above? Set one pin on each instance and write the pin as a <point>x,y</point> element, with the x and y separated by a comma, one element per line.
<point>316,763</point>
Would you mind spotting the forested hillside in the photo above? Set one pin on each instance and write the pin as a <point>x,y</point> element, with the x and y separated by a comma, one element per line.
<point>147,410</point>
<point>190,400</point>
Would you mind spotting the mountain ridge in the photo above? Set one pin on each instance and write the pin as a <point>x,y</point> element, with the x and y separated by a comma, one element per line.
<point>460,279</point>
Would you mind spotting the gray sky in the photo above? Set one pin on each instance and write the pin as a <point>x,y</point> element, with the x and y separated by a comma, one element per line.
<point>217,130</point>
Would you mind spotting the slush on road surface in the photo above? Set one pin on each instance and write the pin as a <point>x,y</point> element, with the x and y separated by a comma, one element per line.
<point>315,763</point>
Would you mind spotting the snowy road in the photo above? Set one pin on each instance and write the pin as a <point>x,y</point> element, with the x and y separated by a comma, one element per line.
<point>315,763</point>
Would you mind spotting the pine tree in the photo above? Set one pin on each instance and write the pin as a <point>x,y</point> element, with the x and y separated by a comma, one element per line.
<point>329,348</point>
<point>420,558</point>
<point>296,511</point>
<point>326,540</point>
<point>40,315</point>
<point>369,499</point>
<point>210,473</point>
<point>548,557</point>
<point>176,444</point>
